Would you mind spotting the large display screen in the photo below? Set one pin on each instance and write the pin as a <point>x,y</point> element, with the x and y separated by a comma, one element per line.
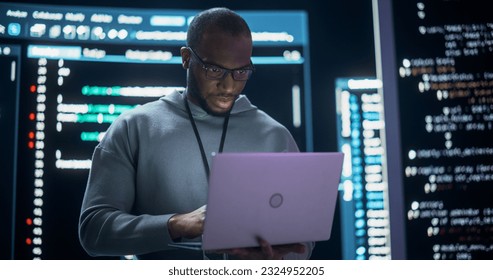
<point>363,199</point>
<point>436,64</point>
<point>67,72</point>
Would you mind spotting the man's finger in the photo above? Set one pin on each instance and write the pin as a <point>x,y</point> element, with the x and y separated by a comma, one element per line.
<point>266,248</point>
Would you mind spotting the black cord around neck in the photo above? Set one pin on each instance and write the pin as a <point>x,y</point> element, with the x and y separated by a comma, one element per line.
<point>199,141</point>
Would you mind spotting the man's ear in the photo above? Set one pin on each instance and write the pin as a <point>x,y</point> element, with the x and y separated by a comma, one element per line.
<point>185,57</point>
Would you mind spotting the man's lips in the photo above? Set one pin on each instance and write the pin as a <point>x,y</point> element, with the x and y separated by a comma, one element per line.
<point>226,98</point>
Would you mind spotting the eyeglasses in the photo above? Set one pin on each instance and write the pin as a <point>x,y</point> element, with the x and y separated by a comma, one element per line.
<point>214,72</point>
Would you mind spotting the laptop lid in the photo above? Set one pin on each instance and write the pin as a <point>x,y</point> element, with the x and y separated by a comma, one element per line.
<point>281,197</point>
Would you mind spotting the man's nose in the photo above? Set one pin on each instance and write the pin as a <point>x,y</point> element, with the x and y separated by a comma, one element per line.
<point>228,84</point>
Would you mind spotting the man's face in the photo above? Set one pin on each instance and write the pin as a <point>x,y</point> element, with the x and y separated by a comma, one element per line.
<point>218,96</point>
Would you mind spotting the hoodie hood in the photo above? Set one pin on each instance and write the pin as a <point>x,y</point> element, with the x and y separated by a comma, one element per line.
<point>242,104</point>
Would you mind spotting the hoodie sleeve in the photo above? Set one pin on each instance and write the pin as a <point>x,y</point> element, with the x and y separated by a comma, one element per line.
<point>107,226</point>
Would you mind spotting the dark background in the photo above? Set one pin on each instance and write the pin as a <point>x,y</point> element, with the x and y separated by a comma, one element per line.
<point>341,45</point>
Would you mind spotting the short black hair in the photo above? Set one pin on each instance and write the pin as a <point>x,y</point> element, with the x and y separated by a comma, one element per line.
<point>223,19</point>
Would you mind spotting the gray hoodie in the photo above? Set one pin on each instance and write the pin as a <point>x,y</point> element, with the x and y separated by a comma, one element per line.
<point>148,167</point>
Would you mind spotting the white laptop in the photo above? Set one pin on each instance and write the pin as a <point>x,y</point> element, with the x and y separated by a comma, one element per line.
<point>281,197</point>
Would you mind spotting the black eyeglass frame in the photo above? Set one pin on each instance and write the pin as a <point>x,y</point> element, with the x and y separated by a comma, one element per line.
<point>209,69</point>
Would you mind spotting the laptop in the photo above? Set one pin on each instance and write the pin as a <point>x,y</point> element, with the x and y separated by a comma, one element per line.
<point>281,197</point>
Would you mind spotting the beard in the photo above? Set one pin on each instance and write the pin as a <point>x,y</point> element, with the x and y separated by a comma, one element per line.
<point>194,92</point>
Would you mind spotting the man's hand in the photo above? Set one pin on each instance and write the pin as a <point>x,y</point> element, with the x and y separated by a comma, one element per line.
<point>265,251</point>
<point>189,225</point>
